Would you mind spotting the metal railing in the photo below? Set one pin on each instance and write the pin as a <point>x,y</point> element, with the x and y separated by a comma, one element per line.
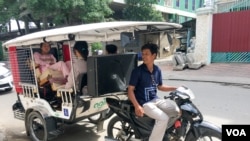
<point>237,5</point>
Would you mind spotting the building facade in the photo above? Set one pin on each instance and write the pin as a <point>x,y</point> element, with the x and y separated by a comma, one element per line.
<point>179,11</point>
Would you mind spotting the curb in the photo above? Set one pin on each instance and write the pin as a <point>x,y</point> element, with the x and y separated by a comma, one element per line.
<point>213,79</point>
<point>237,80</point>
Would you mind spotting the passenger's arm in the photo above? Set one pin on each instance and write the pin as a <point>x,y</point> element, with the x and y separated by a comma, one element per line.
<point>163,87</point>
<point>53,61</point>
<point>131,95</point>
<point>166,88</point>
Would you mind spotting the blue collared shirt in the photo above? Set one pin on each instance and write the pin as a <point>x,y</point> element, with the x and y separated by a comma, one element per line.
<point>145,83</point>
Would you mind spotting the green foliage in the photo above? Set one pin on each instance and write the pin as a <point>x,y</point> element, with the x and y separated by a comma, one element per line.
<point>8,9</point>
<point>141,10</point>
<point>96,46</point>
<point>69,12</point>
<point>96,10</point>
<point>59,12</point>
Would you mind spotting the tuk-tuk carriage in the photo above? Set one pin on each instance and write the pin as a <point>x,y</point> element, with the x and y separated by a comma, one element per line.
<point>45,106</point>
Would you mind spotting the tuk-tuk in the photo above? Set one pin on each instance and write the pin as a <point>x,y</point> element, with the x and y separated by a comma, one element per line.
<point>45,107</point>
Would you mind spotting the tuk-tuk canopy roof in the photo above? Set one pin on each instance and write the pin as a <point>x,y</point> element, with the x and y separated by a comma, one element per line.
<point>105,31</point>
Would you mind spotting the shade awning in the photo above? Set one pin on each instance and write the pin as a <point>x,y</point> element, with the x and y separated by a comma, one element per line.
<point>105,31</point>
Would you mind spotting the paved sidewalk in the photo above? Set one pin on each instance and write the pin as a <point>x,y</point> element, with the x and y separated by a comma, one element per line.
<point>234,73</point>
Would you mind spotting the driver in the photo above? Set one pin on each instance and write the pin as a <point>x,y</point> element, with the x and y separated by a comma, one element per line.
<point>142,92</point>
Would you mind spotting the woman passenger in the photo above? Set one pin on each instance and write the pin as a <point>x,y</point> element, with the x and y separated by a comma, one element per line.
<point>46,60</point>
<point>80,65</point>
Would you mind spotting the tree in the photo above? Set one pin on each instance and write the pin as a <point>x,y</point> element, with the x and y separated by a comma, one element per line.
<point>59,13</point>
<point>96,46</point>
<point>68,12</point>
<point>9,9</point>
<point>141,10</point>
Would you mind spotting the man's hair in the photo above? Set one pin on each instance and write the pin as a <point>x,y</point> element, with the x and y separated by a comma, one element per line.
<point>111,49</point>
<point>152,47</point>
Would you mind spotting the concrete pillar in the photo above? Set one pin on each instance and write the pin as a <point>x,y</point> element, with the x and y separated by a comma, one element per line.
<point>203,46</point>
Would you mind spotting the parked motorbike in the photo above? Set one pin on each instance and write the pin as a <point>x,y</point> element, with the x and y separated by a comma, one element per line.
<point>190,126</point>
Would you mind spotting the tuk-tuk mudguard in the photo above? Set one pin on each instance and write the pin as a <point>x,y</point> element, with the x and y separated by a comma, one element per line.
<point>43,111</point>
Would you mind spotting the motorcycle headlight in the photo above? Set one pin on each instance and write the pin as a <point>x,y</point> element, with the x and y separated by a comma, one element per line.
<point>185,93</point>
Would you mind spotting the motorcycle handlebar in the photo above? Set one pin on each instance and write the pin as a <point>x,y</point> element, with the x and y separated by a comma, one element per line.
<point>171,95</point>
<point>166,97</point>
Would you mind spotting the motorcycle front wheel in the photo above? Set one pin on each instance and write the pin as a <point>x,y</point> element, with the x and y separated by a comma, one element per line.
<point>207,134</point>
<point>119,129</point>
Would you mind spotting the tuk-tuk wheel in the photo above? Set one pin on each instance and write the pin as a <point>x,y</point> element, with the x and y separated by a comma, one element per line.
<point>37,127</point>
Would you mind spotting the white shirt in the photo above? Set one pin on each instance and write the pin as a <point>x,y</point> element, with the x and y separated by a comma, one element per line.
<point>79,67</point>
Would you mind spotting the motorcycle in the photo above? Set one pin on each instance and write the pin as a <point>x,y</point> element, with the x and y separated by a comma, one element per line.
<point>190,126</point>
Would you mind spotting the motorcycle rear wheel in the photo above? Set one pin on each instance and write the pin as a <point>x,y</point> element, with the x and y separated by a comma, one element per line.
<point>207,135</point>
<point>119,129</point>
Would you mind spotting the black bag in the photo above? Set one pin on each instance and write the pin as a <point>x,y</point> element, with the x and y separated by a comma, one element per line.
<point>46,92</point>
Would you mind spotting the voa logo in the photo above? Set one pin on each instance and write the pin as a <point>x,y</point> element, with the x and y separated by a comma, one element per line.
<point>236,132</point>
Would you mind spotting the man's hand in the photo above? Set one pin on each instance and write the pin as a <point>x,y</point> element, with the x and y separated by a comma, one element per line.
<point>139,111</point>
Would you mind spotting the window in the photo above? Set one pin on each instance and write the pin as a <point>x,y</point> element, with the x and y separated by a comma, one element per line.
<point>168,2</point>
<point>186,4</point>
<point>193,5</point>
<point>177,3</point>
<point>186,18</point>
<point>201,2</point>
